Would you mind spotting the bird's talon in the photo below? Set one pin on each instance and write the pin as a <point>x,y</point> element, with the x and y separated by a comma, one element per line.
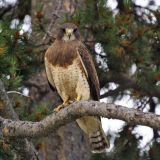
<point>57,109</point>
<point>70,102</point>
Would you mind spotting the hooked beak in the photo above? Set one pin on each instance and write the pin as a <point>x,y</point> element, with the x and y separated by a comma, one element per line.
<point>69,32</point>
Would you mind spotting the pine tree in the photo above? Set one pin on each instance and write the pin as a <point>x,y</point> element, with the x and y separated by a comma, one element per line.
<point>125,38</point>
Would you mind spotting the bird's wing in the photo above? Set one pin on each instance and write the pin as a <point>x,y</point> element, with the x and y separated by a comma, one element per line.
<point>90,71</point>
<point>48,70</point>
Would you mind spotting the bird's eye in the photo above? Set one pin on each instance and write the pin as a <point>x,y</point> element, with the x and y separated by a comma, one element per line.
<point>75,29</point>
<point>63,30</point>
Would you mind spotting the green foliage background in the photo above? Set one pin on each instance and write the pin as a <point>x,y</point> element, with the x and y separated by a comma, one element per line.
<point>125,38</point>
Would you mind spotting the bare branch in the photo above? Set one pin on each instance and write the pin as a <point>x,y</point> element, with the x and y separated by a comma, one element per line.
<point>4,10</point>
<point>114,92</point>
<point>76,110</point>
<point>16,92</point>
<point>129,82</point>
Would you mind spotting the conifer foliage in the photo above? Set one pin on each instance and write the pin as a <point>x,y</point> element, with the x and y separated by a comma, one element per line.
<point>125,45</point>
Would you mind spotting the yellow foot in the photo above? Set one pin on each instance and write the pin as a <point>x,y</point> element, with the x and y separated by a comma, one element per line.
<point>78,98</point>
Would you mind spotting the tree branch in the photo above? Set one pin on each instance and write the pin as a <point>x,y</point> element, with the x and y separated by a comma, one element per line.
<point>129,82</point>
<point>76,110</point>
<point>4,10</point>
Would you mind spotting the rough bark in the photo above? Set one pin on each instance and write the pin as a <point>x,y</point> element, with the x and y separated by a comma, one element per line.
<point>76,110</point>
<point>23,148</point>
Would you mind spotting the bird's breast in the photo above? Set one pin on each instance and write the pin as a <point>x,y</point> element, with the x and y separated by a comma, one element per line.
<point>62,53</point>
<point>67,78</point>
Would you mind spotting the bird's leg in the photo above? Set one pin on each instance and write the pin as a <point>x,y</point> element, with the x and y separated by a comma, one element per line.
<point>66,103</point>
<point>61,106</point>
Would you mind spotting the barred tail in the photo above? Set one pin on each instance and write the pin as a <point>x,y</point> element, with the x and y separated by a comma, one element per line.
<point>98,141</point>
<point>92,126</point>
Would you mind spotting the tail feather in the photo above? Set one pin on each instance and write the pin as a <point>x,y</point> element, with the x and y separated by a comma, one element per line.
<point>92,126</point>
<point>98,141</point>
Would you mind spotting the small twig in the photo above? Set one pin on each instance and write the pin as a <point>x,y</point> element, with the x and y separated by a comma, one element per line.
<point>15,92</point>
<point>48,33</point>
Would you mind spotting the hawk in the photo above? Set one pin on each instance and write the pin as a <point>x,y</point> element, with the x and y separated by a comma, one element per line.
<point>71,71</point>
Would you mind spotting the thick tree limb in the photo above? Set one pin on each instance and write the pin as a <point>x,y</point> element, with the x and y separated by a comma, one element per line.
<point>76,110</point>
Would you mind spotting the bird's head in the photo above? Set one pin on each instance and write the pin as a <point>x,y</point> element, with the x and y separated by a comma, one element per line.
<point>68,32</point>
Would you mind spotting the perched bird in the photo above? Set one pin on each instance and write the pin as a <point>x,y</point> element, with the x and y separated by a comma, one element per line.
<point>71,71</point>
